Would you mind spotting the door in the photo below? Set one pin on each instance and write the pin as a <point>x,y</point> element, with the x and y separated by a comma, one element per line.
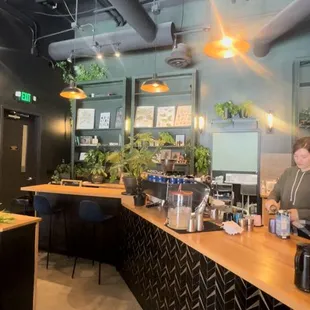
<point>19,156</point>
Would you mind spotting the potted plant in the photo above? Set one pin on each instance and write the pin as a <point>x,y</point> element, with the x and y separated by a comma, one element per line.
<point>220,110</point>
<point>62,171</point>
<point>165,138</point>
<point>133,161</point>
<point>81,172</point>
<point>98,173</point>
<point>224,110</point>
<point>96,161</point>
<point>234,110</point>
<point>202,156</point>
<point>246,109</point>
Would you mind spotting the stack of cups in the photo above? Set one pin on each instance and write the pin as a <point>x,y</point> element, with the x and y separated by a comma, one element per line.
<point>247,223</point>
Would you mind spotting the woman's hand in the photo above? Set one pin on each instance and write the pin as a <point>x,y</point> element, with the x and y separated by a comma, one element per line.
<point>294,215</point>
<point>269,203</point>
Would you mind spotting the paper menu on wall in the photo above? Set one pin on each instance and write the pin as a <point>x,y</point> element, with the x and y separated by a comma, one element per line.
<point>144,116</point>
<point>165,116</point>
<point>85,119</point>
<point>104,121</point>
<point>183,116</point>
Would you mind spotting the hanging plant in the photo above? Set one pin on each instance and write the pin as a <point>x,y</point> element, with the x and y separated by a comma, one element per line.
<point>66,68</point>
<point>94,72</point>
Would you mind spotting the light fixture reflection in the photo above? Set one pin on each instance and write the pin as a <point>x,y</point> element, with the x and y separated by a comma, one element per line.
<point>270,122</point>
<point>117,54</point>
<point>73,92</point>
<point>99,56</point>
<point>226,47</point>
<point>154,85</point>
<point>201,124</point>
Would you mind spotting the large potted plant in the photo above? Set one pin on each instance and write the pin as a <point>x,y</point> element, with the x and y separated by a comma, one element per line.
<point>96,161</point>
<point>132,160</point>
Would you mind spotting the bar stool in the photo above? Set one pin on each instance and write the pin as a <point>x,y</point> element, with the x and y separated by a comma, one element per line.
<point>90,211</point>
<point>43,207</point>
<point>26,202</point>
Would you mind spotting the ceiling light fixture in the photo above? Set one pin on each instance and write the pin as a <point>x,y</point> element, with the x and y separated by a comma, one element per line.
<point>155,85</point>
<point>226,47</point>
<point>69,59</point>
<point>73,92</point>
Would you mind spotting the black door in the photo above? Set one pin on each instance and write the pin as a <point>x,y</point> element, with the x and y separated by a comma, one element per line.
<point>19,157</point>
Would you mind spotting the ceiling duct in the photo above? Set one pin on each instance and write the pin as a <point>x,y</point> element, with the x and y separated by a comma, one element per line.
<point>180,56</point>
<point>135,15</point>
<point>284,21</point>
<point>124,40</point>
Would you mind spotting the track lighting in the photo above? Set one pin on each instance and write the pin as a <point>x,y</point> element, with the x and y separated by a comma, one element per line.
<point>69,59</point>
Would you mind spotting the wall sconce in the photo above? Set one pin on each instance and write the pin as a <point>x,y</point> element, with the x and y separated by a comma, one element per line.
<point>201,124</point>
<point>269,122</point>
<point>127,125</point>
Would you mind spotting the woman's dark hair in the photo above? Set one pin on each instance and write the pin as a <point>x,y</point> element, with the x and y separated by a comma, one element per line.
<point>302,143</point>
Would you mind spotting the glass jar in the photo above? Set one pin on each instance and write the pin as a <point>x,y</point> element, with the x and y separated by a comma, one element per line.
<point>179,209</point>
<point>283,228</point>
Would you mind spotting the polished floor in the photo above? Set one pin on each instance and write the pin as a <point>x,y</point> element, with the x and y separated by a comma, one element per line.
<point>56,289</point>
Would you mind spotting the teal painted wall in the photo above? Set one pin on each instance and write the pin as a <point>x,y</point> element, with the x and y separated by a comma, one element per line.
<point>266,81</point>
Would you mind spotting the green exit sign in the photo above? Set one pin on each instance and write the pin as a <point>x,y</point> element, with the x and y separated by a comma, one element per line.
<point>25,97</point>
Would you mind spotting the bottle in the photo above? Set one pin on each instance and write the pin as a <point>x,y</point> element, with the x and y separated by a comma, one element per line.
<point>95,140</point>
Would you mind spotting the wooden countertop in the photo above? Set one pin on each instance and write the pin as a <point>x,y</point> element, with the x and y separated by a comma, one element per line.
<point>19,221</point>
<point>258,257</point>
<point>76,190</point>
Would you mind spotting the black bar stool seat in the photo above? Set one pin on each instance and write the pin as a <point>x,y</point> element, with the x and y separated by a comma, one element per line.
<point>43,207</point>
<point>91,212</point>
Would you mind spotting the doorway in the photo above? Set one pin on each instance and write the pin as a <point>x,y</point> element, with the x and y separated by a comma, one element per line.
<point>20,154</point>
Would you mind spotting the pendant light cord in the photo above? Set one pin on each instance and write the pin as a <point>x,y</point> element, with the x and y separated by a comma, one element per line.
<point>155,18</point>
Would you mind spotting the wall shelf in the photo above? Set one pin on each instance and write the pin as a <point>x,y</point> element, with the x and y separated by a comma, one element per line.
<point>100,98</point>
<point>187,92</point>
<point>99,129</point>
<point>180,84</point>
<point>235,121</point>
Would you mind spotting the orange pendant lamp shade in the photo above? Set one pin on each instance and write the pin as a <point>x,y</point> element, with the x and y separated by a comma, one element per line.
<point>154,85</point>
<point>73,92</point>
<point>227,47</point>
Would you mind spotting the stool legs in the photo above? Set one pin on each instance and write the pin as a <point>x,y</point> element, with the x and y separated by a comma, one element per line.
<point>73,271</point>
<point>99,279</point>
<point>49,241</point>
<point>66,231</point>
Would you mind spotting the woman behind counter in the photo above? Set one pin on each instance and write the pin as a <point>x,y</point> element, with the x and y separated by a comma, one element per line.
<point>293,188</point>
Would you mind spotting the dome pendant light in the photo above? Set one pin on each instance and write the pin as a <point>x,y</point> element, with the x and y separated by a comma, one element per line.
<point>226,47</point>
<point>73,92</point>
<point>155,85</point>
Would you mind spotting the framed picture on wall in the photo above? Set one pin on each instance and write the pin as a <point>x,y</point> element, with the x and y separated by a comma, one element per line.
<point>119,118</point>
<point>85,119</point>
<point>165,154</point>
<point>144,116</point>
<point>85,140</point>
<point>104,121</point>
<point>180,140</point>
<point>165,116</point>
<point>183,116</point>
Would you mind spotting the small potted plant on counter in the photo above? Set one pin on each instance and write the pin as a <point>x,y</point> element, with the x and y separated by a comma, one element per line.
<point>98,173</point>
<point>165,138</point>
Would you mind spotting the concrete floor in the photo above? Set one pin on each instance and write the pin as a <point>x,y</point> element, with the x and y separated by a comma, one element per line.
<point>56,289</point>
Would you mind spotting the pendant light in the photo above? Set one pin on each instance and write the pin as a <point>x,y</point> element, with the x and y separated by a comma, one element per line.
<point>155,85</point>
<point>71,91</point>
<point>226,47</point>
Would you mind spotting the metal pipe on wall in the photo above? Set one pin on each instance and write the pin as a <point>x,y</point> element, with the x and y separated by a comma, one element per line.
<point>284,21</point>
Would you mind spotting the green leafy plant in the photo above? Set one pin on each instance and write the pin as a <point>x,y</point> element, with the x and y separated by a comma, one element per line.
<point>5,218</point>
<point>93,72</point>
<point>81,172</point>
<point>165,138</point>
<point>143,139</point>
<point>98,169</point>
<point>304,118</point>
<point>95,159</point>
<point>81,73</point>
<point>246,108</point>
<point>220,110</point>
<point>234,110</point>
<point>202,157</point>
<point>62,171</point>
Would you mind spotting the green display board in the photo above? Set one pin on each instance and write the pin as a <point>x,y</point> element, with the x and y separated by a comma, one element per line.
<point>235,151</point>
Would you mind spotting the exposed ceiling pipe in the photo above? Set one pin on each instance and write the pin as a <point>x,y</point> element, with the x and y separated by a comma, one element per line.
<point>284,21</point>
<point>135,15</point>
<point>125,40</point>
